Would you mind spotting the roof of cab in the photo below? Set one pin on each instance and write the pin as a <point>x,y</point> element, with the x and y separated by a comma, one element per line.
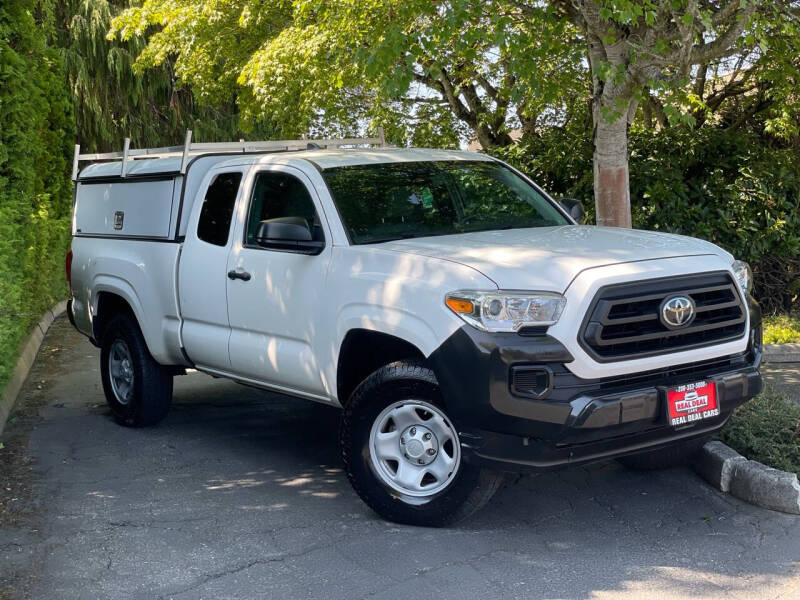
<point>327,159</point>
<point>324,159</point>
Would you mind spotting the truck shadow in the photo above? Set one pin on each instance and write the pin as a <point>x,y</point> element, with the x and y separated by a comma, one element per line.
<point>268,465</point>
<point>239,491</point>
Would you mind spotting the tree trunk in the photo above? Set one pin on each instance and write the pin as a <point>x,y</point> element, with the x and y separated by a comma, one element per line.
<point>611,190</point>
<point>491,139</point>
<point>611,193</point>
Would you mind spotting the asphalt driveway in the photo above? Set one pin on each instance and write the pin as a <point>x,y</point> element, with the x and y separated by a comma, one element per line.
<point>239,494</point>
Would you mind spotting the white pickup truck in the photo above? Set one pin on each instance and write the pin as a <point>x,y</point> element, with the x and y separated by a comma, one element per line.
<point>464,320</point>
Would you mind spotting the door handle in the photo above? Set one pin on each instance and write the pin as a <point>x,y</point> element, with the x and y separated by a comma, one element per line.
<point>243,275</point>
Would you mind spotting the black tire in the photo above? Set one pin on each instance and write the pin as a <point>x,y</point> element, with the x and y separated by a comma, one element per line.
<point>151,393</point>
<point>676,455</point>
<point>471,487</point>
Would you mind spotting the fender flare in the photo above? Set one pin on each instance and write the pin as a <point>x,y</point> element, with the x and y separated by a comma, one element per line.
<point>112,284</point>
<point>397,322</point>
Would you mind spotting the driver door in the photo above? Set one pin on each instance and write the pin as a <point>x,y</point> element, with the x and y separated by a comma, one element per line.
<point>275,295</point>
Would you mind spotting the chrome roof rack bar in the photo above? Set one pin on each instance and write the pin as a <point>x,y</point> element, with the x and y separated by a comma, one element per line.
<point>187,144</point>
<point>190,148</point>
<point>125,150</point>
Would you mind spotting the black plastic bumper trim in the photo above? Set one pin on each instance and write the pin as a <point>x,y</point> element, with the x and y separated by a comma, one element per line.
<point>70,314</point>
<point>511,453</point>
<point>578,419</point>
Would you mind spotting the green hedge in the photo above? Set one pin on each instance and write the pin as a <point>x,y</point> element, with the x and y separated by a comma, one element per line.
<point>36,129</point>
<point>726,187</point>
<point>782,329</point>
<point>767,429</point>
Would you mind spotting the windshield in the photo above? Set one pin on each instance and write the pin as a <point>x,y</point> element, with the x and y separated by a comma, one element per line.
<point>390,201</point>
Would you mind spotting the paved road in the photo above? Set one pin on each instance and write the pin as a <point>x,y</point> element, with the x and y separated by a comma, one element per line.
<point>783,378</point>
<point>239,494</point>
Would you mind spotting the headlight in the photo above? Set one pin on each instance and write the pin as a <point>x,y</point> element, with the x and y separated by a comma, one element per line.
<point>506,311</point>
<point>744,276</point>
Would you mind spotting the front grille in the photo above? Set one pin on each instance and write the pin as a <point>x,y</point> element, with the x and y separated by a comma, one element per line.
<point>624,320</point>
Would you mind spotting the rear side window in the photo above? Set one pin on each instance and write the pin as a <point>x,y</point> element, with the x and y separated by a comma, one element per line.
<point>217,211</point>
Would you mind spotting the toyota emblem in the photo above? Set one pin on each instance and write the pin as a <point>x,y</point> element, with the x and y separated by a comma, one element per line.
<point>677,311</point>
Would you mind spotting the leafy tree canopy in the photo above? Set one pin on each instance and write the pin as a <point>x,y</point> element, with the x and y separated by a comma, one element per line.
<point>437,71</point>
<point>490,66</point>
<point>471,67</point>
<point>112,101</point>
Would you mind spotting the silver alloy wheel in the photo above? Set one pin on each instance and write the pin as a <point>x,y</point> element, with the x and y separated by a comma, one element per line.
<point>414,449</point>
<point>120,371</point>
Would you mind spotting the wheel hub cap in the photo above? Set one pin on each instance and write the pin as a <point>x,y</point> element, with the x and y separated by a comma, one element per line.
<point>419,445</point>
<point>120,371</point>
<point>414,449</point>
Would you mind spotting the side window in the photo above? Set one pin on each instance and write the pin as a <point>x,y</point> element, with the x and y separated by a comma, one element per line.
<point>217,211</point>
<point>284,198</point>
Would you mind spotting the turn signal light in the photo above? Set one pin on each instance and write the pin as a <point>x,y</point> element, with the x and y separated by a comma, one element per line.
<point>501,310</point>
<point>460,306</point>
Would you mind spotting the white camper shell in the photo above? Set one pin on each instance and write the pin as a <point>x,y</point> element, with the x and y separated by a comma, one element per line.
<point>167,179</point>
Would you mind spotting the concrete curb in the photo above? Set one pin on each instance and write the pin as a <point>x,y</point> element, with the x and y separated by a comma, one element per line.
<point>748,480</point>
<point>782,353</point>
<point>25,361</point>
<point>715,464</point>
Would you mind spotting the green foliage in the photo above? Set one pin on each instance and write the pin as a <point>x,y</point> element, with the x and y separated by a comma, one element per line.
<point>727,187</point>
<point>781,329</point>
<point>35,196</point>
<point>492,66</point>
<point>58,71</point>
<point>767,429</point>
<point>307,64</point>
<point>558,159</point>
<point>112,101</point>
<point>205,47</point>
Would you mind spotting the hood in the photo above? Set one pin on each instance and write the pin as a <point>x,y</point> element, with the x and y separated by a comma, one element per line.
<point>549,258</point>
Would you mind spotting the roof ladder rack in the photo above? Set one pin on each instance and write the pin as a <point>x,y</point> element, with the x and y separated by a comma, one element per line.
<point>191,149</point>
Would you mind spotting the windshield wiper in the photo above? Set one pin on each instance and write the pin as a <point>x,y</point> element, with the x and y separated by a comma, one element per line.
<point>405,236</point>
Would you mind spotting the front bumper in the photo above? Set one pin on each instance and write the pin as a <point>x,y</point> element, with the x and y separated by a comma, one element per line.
<point>576,420</point>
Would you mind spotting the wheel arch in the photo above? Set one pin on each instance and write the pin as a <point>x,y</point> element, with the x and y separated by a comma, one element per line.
<point>110,301</point>
<point>362,352</point>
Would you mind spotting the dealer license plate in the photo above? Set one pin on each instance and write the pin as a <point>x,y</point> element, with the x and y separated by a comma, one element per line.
<point>692,402</point>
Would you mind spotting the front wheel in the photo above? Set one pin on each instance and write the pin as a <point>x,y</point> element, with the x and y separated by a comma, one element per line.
<point>138,389</point>
<point>402,453</point>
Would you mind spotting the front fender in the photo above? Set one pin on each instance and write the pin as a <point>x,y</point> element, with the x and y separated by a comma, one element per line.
<point>393,293</point>
<point>397,322</point>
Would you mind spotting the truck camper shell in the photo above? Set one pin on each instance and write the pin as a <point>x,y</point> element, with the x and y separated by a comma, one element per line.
<point>166,181</point>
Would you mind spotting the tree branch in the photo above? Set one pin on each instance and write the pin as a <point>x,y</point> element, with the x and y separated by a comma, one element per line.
<point>724,44</point>
<point>445,87</point>
<point>700,81</point>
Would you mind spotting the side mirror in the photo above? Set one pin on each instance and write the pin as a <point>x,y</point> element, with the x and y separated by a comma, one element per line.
<point>292,237</point>
<point>574,208</point>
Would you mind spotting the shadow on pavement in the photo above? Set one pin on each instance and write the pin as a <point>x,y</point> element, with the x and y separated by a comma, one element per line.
<point>240,494</point>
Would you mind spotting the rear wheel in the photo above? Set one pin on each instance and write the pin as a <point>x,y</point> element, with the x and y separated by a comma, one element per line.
<point>402,454</point>
<point>679,453</point>
<point>138,389</point>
